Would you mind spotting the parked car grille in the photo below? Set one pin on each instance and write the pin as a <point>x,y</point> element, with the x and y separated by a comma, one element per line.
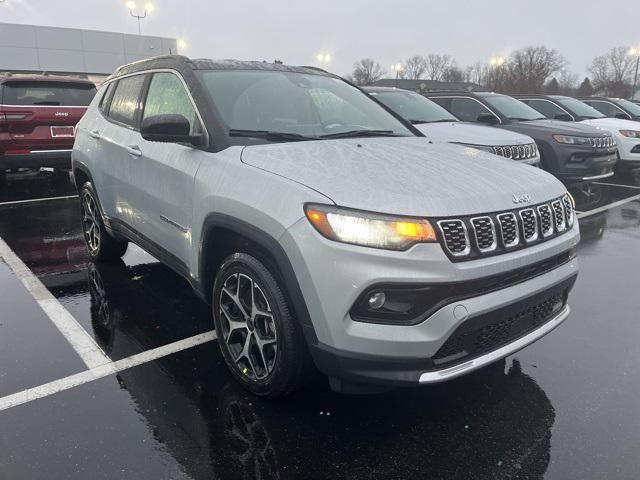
<point>485,333</point>
<point>517,152</point>
<point>467,238</point>
<point>602,142</point>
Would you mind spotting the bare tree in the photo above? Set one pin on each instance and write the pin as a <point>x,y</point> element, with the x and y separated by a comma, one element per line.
<point>437,64</point>
<point>612,72</point>
<point>454,74</point>
<point>568,82</point>
<point>366,72</point>
<point>529,68</point>
<point>414,67</point>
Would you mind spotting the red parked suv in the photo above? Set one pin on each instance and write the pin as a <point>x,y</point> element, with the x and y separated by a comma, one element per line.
<point>38,117</point>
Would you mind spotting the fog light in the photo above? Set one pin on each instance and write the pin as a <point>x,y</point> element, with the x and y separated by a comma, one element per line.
<point>376,300</point>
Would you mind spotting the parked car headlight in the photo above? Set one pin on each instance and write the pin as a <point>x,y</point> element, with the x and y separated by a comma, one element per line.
<point>369,229</point>
<point>484,148</point>
<point>630,133</point>
<point>570,140</point>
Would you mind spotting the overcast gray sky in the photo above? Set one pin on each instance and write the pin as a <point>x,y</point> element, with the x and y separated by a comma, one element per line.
<point>389,32</point>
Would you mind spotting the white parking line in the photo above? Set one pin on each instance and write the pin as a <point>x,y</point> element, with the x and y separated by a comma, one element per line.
<point>102,371</point>
<point>604,208</point>
<point>33,200</point>
<point>80,340</point>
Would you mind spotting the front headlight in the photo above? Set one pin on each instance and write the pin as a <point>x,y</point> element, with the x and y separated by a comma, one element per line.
<point>369,229</point>
<point>569,140</point>
<point>484,148</point>
<point>630,133</point>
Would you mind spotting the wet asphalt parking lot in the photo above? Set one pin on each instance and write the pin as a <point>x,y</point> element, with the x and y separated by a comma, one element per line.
<point>112,371</point>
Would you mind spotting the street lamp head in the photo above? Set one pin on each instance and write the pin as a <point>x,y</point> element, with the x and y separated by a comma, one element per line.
<point>149,7</point>
<point>497,61</point>
<point>131,4</point>
<point>398,67</point>
<point>634,52</point>
<point>323,58</point>
<point>182,44</point>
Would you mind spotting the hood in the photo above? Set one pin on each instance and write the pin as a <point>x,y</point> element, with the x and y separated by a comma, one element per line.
<point>471,134</point>
<point>557,127</point>
<point>405,175</point>
<point>613,124</point>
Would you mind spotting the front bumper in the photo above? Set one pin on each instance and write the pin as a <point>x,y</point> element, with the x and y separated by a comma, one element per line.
<point>581,165</point>
<point>36,159</point>
<point>367,353</point>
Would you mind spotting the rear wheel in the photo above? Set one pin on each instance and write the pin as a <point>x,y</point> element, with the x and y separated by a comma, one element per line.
<point>100,245</point>
<point>261,341</point>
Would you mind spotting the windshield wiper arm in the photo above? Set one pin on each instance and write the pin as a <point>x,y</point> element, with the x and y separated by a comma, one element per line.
<point>269,135</point>
<point>361,133</point>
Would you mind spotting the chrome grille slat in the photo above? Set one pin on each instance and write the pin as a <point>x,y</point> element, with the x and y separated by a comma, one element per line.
<point>516,152</point>
<point>568,210</point>
<point>455,237</point>
<point>529,224</point>
<point>558,216</point>
<point>509,229</point>
<point>484,232</point>
<point>546,220</point>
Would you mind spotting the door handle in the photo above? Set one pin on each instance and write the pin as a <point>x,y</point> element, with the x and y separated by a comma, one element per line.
<point>95,134</point>
<point>134,150</point>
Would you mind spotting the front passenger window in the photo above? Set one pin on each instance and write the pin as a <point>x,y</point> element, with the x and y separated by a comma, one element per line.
<point>166,96</point>
<point>468,109</point>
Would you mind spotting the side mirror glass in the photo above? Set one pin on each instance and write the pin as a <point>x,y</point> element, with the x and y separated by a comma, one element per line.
<point>488,118</point>
<point>623,116</point>
<point>170,128</point>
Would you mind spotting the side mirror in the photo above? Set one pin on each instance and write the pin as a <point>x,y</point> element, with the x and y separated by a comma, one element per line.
<point>623,116</point>
<point>170,128</point>
<point>565,117</point>
<point>488,118</point>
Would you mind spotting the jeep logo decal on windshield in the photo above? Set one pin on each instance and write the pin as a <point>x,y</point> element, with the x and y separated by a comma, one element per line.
<point>524,198</point>
<point>62,114</point>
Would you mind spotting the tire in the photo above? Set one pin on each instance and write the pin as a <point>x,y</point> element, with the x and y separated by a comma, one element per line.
<point>101,246</point>
<point>266,353</point>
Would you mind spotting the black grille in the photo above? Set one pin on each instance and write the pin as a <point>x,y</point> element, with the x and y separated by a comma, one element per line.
<point>509,229</point>
<point>558,215</point>
<point>467,238</point>
<point>546,221</point>
<point>484,233</point>
<point>488,332</point>
<point>529,224</point>
<point>455,236</point>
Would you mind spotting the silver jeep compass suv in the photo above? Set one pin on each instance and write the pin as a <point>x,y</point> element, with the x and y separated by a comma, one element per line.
<point>324,230</point>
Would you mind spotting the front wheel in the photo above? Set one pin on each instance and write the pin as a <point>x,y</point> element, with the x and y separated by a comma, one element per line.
<point>101,246</point>
<point>261,341</point>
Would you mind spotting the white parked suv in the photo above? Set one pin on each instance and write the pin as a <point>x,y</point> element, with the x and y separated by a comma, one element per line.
<point>625,132</point>
<point>441,126</point>
<point>324,231</point>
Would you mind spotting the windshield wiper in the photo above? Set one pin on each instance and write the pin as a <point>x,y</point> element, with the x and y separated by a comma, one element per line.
<point>520,119</point>
<point>269,135</point>
<point>361,133</point>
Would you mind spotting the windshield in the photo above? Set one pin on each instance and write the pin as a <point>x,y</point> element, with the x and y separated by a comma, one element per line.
<point>47,93</point>
<point>295,103</point>
<point>580,109</point>
<point>513,109</point>
<point>631,107</point>
<point>414,107</point>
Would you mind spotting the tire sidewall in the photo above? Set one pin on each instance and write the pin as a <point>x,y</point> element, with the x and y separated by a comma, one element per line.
<point>87,188</point>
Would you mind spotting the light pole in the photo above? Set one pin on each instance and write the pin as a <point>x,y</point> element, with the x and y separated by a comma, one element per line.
<point>323,59</point>
<point>148,8</point>
<point>636,53</point>
<point>398,68</point>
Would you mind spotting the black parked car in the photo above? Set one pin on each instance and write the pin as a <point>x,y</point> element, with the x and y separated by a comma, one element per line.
<point>570,151</point>
<point>614,107</point>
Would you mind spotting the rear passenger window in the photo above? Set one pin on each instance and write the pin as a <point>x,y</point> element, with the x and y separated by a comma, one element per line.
<point>126,100</point>
<point>467,109</point>
<point>546,108</point>
<point>167,95</point>
<point>106,98</point>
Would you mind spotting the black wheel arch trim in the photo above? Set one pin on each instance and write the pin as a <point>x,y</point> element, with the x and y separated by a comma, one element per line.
<point>273,247</point>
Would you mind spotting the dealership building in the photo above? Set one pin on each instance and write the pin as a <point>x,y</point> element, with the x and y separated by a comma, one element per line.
<point>89,54</point>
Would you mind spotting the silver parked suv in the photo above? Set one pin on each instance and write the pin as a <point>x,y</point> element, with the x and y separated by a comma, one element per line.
<point>323,229</point>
